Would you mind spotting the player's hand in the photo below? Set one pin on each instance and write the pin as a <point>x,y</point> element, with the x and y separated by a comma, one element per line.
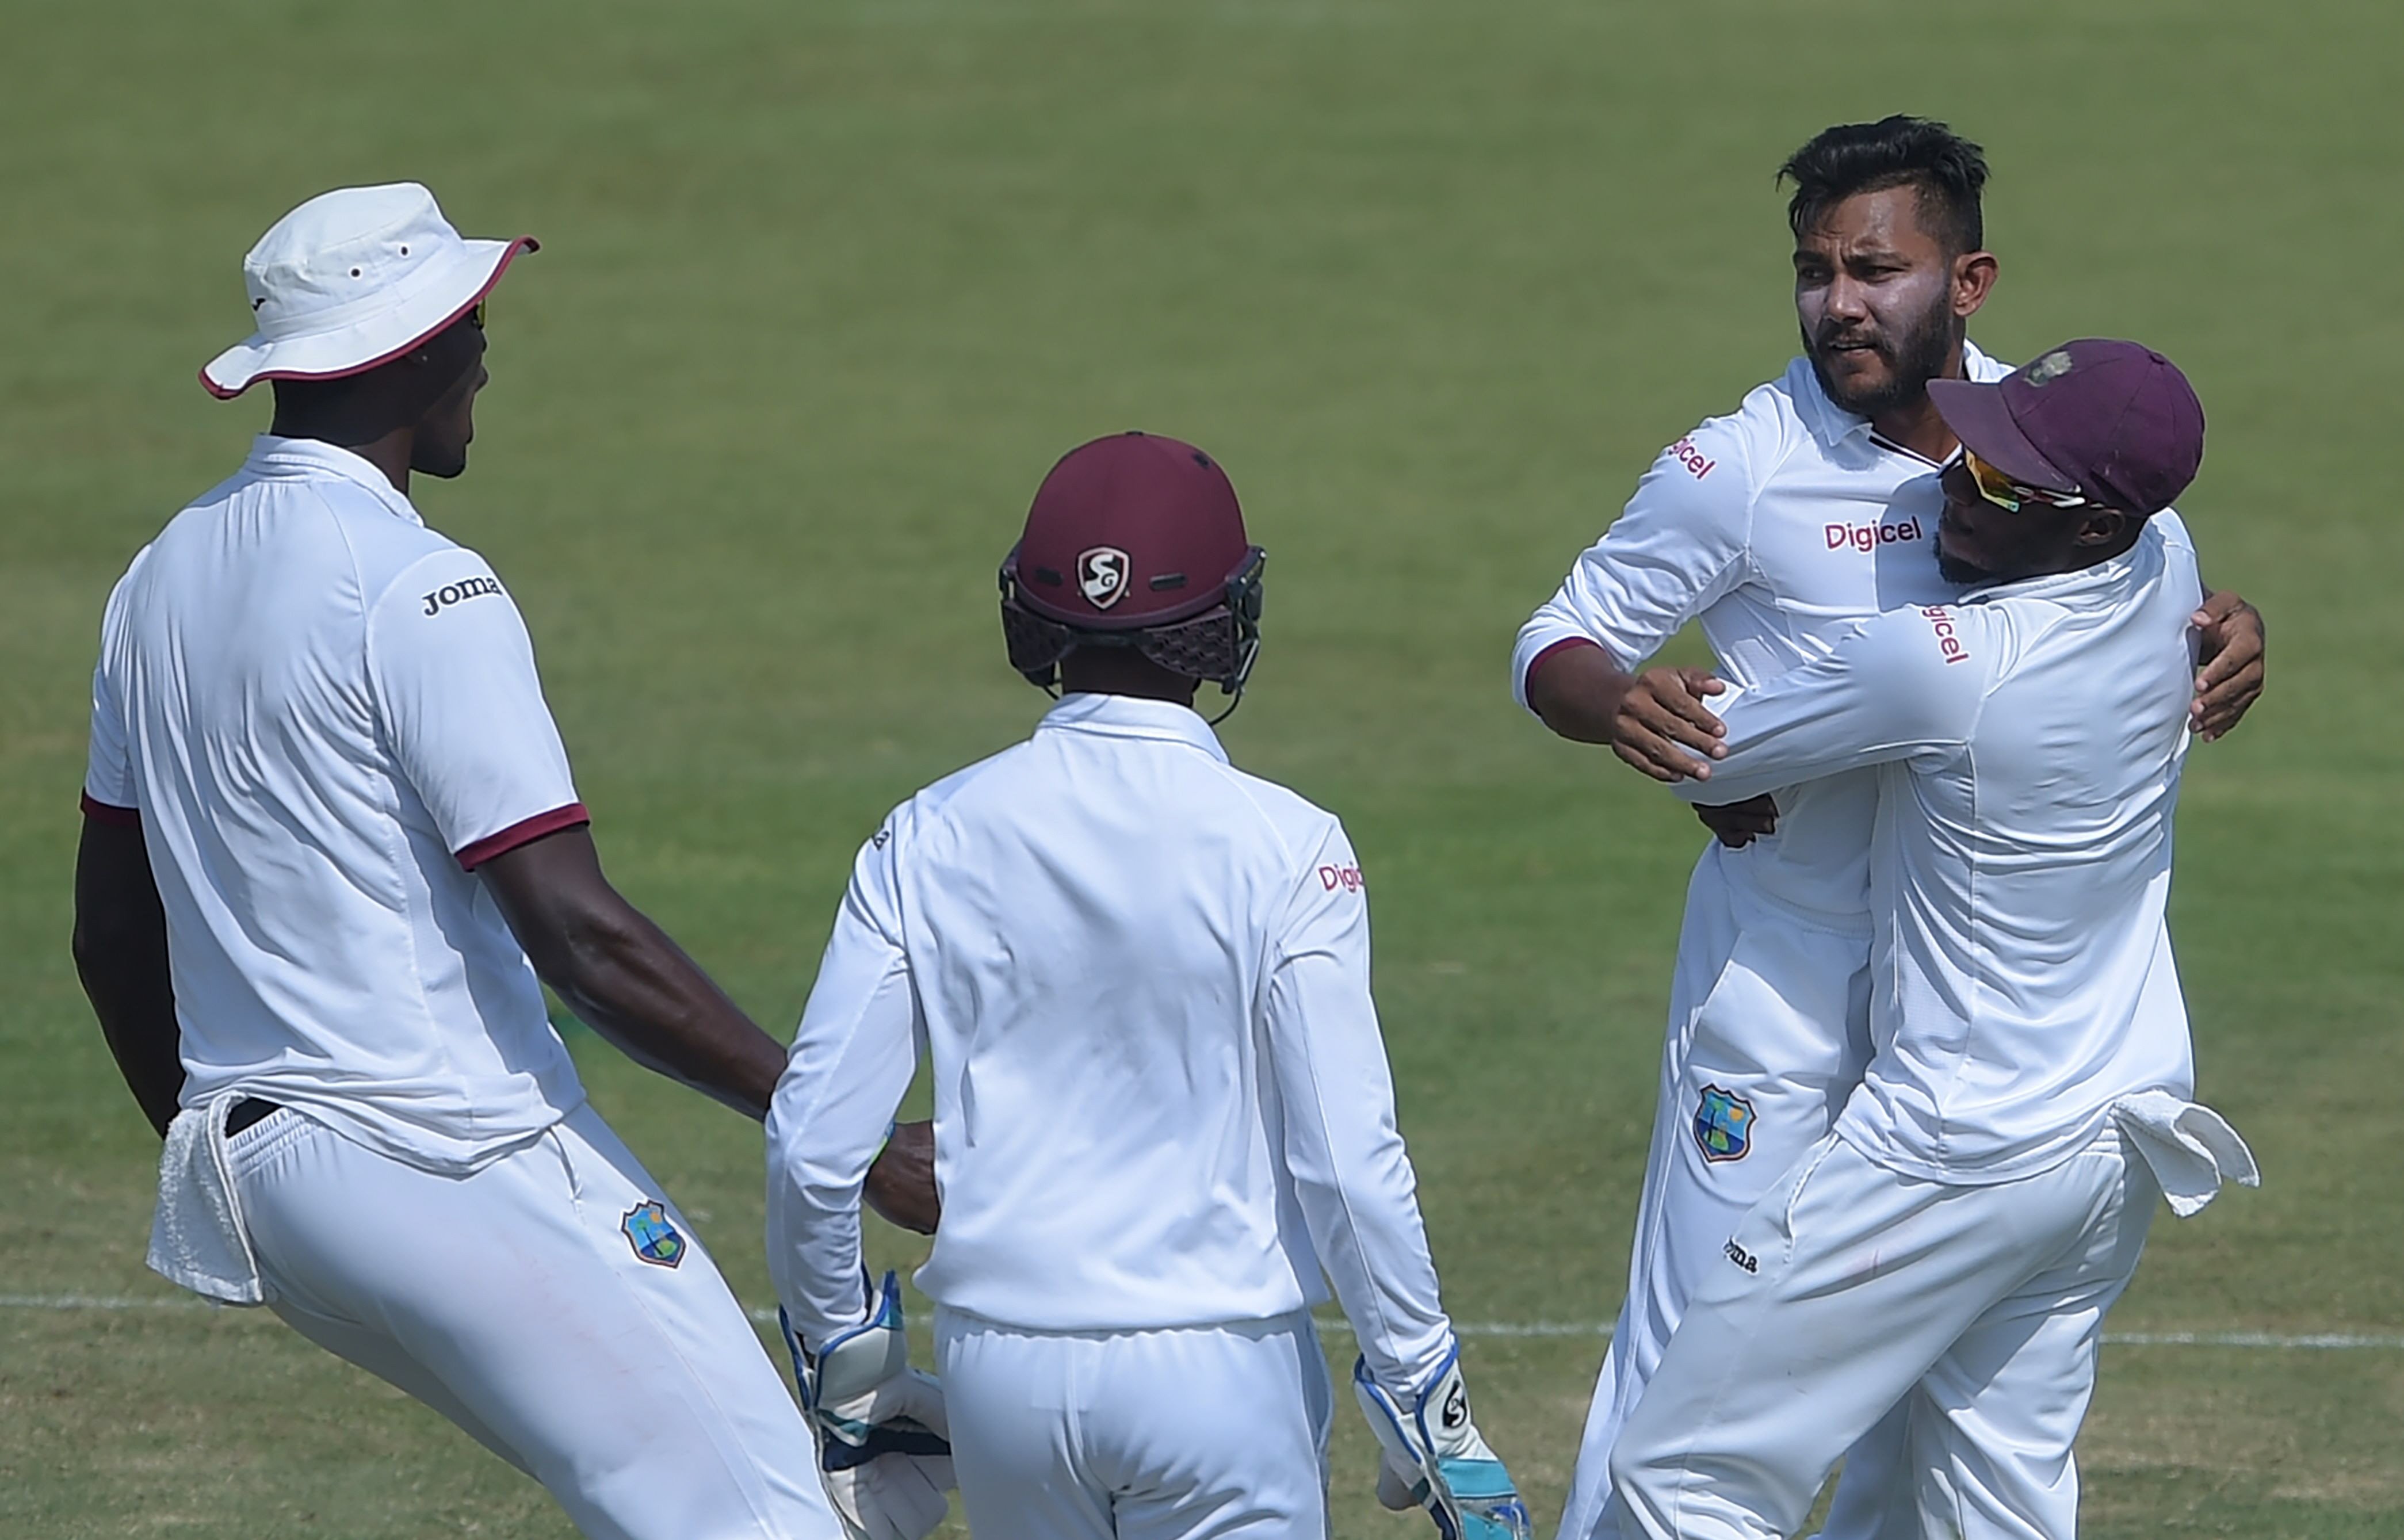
<point>1662,717</point>
<point>901,1187</point>
<point>1738,824</point>
<point>1433,1458</point>
<point>885,1451</point>
<point>2230,680</point>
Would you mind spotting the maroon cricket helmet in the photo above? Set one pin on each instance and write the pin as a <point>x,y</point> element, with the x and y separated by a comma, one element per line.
<point>2113,422</point>
<point>1135,541</point>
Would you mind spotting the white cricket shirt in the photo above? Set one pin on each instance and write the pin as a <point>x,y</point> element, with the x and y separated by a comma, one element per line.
<point>1777,527</point>
<point>324,714</point>
<point>2026,746</point>
<point>1141,977</point>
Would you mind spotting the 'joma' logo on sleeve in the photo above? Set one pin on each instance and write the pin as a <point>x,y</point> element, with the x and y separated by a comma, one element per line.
<point>454,593</point>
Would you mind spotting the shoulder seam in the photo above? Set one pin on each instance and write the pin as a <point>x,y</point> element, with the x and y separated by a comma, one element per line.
<point>1272,934</point>
<point>1239,781</point>
<point>359,582</point>
<point>1754,488</point>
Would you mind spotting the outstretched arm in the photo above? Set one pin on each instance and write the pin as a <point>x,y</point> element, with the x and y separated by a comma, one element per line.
<point>638,989</point>
<point>624,977</point>
<point>120,953</point>
<point>1901,683</point>
<point>462,706</point>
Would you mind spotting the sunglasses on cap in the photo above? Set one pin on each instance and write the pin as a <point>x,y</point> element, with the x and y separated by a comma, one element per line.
<point>2012,495</point>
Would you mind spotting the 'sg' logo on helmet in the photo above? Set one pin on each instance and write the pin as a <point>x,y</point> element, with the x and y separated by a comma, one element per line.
<point>1102,574</point>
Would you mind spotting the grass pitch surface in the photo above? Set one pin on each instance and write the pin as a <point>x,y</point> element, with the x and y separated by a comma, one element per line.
<point>824,291</point>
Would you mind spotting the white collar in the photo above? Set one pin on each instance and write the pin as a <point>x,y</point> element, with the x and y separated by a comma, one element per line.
<point>314,456</point>
<point>1133,716</point>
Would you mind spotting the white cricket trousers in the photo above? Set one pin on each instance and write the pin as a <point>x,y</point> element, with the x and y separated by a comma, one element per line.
<point>1186,1433</point>
<point>1850,1288</point>
<point>513,1302</point>
<point>1773,1017</point>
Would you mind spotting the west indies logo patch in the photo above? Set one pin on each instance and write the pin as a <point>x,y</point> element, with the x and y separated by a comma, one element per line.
<point>1724,1124</point>
<point>652,1235</point>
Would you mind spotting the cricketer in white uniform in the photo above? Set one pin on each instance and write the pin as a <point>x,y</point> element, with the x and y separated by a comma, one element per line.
<point>1960,1235</point>
<point>1163,1112</point>
<point>315,722</point>
<point>1778,529</point>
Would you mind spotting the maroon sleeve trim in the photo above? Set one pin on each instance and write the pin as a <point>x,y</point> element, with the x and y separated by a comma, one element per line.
<point>104,812</point>
<point>1564,645</point>
<point>523,831</point>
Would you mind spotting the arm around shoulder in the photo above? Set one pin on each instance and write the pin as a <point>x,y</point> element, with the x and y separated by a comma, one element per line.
<point>1901,683</point>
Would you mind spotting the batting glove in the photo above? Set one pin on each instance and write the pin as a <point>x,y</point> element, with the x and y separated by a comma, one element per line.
<point>885,1453</point>
<point>1434,1458</point>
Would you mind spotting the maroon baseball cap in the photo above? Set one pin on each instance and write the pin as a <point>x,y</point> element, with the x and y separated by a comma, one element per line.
<point>1131,531</point>
<point>2114,422</point>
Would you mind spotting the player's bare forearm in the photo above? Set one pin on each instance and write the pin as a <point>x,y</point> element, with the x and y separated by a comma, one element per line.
<point>902,1185</point>
<point>2231,643</point>
<point>639,992</point>
<point>1577,691</point>
<point>624,979</point>
<point>1654,721</point>
<point>120,953</point>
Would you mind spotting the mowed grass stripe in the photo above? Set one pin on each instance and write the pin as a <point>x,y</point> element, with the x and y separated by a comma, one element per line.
<point>1337,1325</point>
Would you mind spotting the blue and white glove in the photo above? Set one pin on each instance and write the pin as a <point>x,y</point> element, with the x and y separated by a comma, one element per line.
<point>885,1453</point>
<point>1434,1458</point>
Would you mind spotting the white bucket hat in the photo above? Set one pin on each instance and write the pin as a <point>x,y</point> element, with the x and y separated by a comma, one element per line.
<point>351,279</point>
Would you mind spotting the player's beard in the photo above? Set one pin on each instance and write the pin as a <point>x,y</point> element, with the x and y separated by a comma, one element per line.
<point>1913,357</point>
<point>1962,574</point>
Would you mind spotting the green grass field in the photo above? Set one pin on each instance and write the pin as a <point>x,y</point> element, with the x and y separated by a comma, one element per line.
<point>825,290</point>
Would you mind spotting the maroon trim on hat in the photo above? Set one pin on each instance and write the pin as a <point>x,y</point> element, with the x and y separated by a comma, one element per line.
<point>1980,417</point>
<point>1567,644</point>
<point>523,831</point>
<point>110,813</point>
<point>524,243</point>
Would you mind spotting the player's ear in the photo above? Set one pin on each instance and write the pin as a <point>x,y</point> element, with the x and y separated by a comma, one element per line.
<point>1974,279</point>
<point>2106,526</point>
